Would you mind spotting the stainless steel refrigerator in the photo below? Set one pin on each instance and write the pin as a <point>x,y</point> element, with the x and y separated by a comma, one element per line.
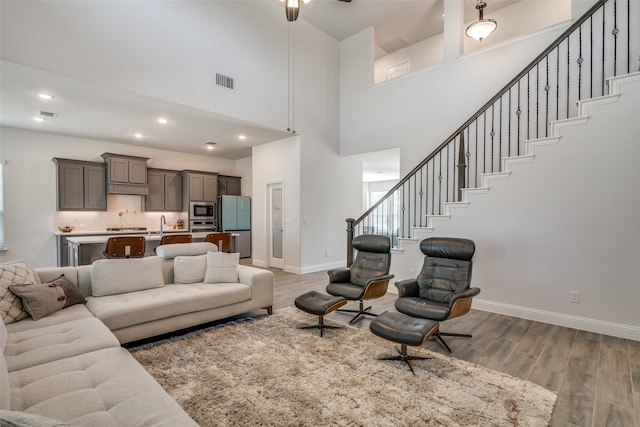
<point>234,215</point>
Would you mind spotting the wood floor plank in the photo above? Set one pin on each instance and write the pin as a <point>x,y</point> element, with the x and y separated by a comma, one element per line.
<point>614,359</point>
<point>615,388</point>
<point>519,364</point>
<point>610,415</point>
<point>586,346</point>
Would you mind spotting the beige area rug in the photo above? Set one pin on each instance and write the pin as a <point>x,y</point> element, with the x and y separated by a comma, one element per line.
<point>264,371</point>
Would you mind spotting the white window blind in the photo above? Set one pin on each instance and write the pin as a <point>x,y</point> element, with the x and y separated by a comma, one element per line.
<point>1,206</point>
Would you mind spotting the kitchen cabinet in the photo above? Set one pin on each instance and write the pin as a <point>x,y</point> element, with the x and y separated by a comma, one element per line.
<point>81,186</point>
<point>199,186</point>
<point>165,191</point>
<point>126,174</point>
<point>229,185</point>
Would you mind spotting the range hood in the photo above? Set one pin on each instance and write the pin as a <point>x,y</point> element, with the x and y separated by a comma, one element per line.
<point>134,190</point>
<point>126,174</point>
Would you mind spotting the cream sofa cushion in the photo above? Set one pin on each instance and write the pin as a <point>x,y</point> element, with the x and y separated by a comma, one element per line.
<point>189,269</point>
<point>117,276</point>
<point>185,249</point>
<point>102,388</point>
<point>138,308</point>
<point>46,344</point>
<point>222,267</point>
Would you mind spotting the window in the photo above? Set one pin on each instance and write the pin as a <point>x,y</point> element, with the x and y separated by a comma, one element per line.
<point>1,207</point>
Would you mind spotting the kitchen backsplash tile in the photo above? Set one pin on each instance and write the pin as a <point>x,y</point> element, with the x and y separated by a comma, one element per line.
<point>122,211</point>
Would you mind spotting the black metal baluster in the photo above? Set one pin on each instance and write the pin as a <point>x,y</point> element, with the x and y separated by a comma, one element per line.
<point>558,83</point>
<point>500,137</point>
<point>493,134</point>
<point>546,89</point>
<point>440,184</point>
<point>602,92</point>
<point>509,127</point>
<point>579,61</point>
<point>537,100</point>
<point>518,113</point>
<point>615,37</point>
<point>568,76</point>
<point>591,56</point>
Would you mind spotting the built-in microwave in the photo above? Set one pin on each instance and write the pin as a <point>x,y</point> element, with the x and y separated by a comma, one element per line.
<point>202,210</point>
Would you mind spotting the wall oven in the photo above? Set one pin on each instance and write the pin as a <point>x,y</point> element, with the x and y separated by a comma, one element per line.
<point>202,226</point>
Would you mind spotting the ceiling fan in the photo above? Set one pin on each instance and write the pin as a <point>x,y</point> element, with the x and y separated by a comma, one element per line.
<point>292,8</point>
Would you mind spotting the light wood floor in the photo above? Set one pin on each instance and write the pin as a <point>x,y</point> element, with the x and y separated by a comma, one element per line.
<point>597,377</point>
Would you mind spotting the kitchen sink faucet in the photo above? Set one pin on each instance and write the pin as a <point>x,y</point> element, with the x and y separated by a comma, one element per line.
<point>162,220</point>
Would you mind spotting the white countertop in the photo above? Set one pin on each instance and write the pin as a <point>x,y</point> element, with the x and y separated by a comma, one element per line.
<point>116,233</point>
<point>149,236</point>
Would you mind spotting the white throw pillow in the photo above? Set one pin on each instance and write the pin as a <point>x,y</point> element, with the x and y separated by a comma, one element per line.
<point>118,276</point>
<point>222,267</point>
<point>189,269</point>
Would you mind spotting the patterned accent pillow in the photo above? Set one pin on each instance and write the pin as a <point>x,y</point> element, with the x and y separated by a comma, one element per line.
<point>11,308</point>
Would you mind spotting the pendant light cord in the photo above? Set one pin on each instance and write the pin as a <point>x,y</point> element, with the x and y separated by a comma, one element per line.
<point>291,80</point>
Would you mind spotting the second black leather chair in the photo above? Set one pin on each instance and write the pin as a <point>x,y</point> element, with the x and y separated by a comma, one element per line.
<point>442,289</point>
<point>367,278</point>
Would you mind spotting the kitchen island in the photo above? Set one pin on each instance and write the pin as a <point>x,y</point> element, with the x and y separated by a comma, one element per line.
<point>85,249</point>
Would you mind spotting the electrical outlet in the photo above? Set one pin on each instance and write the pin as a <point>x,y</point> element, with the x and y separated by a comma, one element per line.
<point>574,296</point>
<point>326,254</point>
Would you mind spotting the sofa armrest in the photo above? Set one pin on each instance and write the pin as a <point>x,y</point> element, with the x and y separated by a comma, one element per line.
<point>261,282</point>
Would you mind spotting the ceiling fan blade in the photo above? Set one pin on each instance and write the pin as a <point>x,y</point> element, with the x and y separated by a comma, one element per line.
<point>346,1</point>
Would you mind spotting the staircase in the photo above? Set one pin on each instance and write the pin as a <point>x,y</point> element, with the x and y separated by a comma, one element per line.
<point>603,43</point>
<point>544,178</point>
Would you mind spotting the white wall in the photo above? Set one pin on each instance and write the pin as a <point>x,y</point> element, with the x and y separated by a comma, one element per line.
<point>419,111</point>
<point>165,49</point>
<point>566,221</point>
<point>277,162</point>
<point>420,55</point>
<point>30,187</point>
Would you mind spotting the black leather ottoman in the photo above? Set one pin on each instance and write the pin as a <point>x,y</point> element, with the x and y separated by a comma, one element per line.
<point>404,330</point>
<point>319,304</point>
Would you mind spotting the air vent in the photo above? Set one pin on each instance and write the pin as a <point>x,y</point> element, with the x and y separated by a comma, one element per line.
<point>224,81</point>
<point>393,45</point>
<point>48,114</point>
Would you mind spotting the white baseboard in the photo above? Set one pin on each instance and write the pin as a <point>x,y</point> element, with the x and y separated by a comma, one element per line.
<point>582,323</point>
<point>321,267</point>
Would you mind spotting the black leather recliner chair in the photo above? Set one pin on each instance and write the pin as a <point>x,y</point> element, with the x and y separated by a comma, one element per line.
<point>367,278</point>
<point>442,289</point>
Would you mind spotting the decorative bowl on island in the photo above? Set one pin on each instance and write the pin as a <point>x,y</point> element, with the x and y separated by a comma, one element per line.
<point>66,229</point>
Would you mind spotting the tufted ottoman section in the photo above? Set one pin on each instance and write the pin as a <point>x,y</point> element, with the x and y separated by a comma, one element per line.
<point>103,388</point>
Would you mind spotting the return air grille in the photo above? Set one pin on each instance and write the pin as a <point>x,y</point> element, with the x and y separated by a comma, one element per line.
<point>224,81</point>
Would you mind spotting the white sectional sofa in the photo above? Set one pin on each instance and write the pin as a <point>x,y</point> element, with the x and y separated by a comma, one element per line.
<point>69,365</point>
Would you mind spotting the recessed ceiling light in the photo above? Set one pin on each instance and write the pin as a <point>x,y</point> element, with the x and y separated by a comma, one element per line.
<point>38,119</point>
<point>163,121</point>
<point>45,96</point>
<point>210,145</point>
<point>138,135</point>
<point>242,137</point>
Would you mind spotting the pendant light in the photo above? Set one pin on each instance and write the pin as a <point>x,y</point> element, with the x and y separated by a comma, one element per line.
<point>292,9</point>
<point>482,27</point>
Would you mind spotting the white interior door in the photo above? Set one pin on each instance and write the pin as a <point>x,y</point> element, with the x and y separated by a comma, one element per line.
<point>276,225</point>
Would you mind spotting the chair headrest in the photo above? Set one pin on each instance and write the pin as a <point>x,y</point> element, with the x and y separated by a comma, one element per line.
<point>372,243</point>
<point>448,247</point>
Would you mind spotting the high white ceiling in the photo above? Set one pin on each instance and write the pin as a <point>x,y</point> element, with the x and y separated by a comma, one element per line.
<point>88,110</point>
